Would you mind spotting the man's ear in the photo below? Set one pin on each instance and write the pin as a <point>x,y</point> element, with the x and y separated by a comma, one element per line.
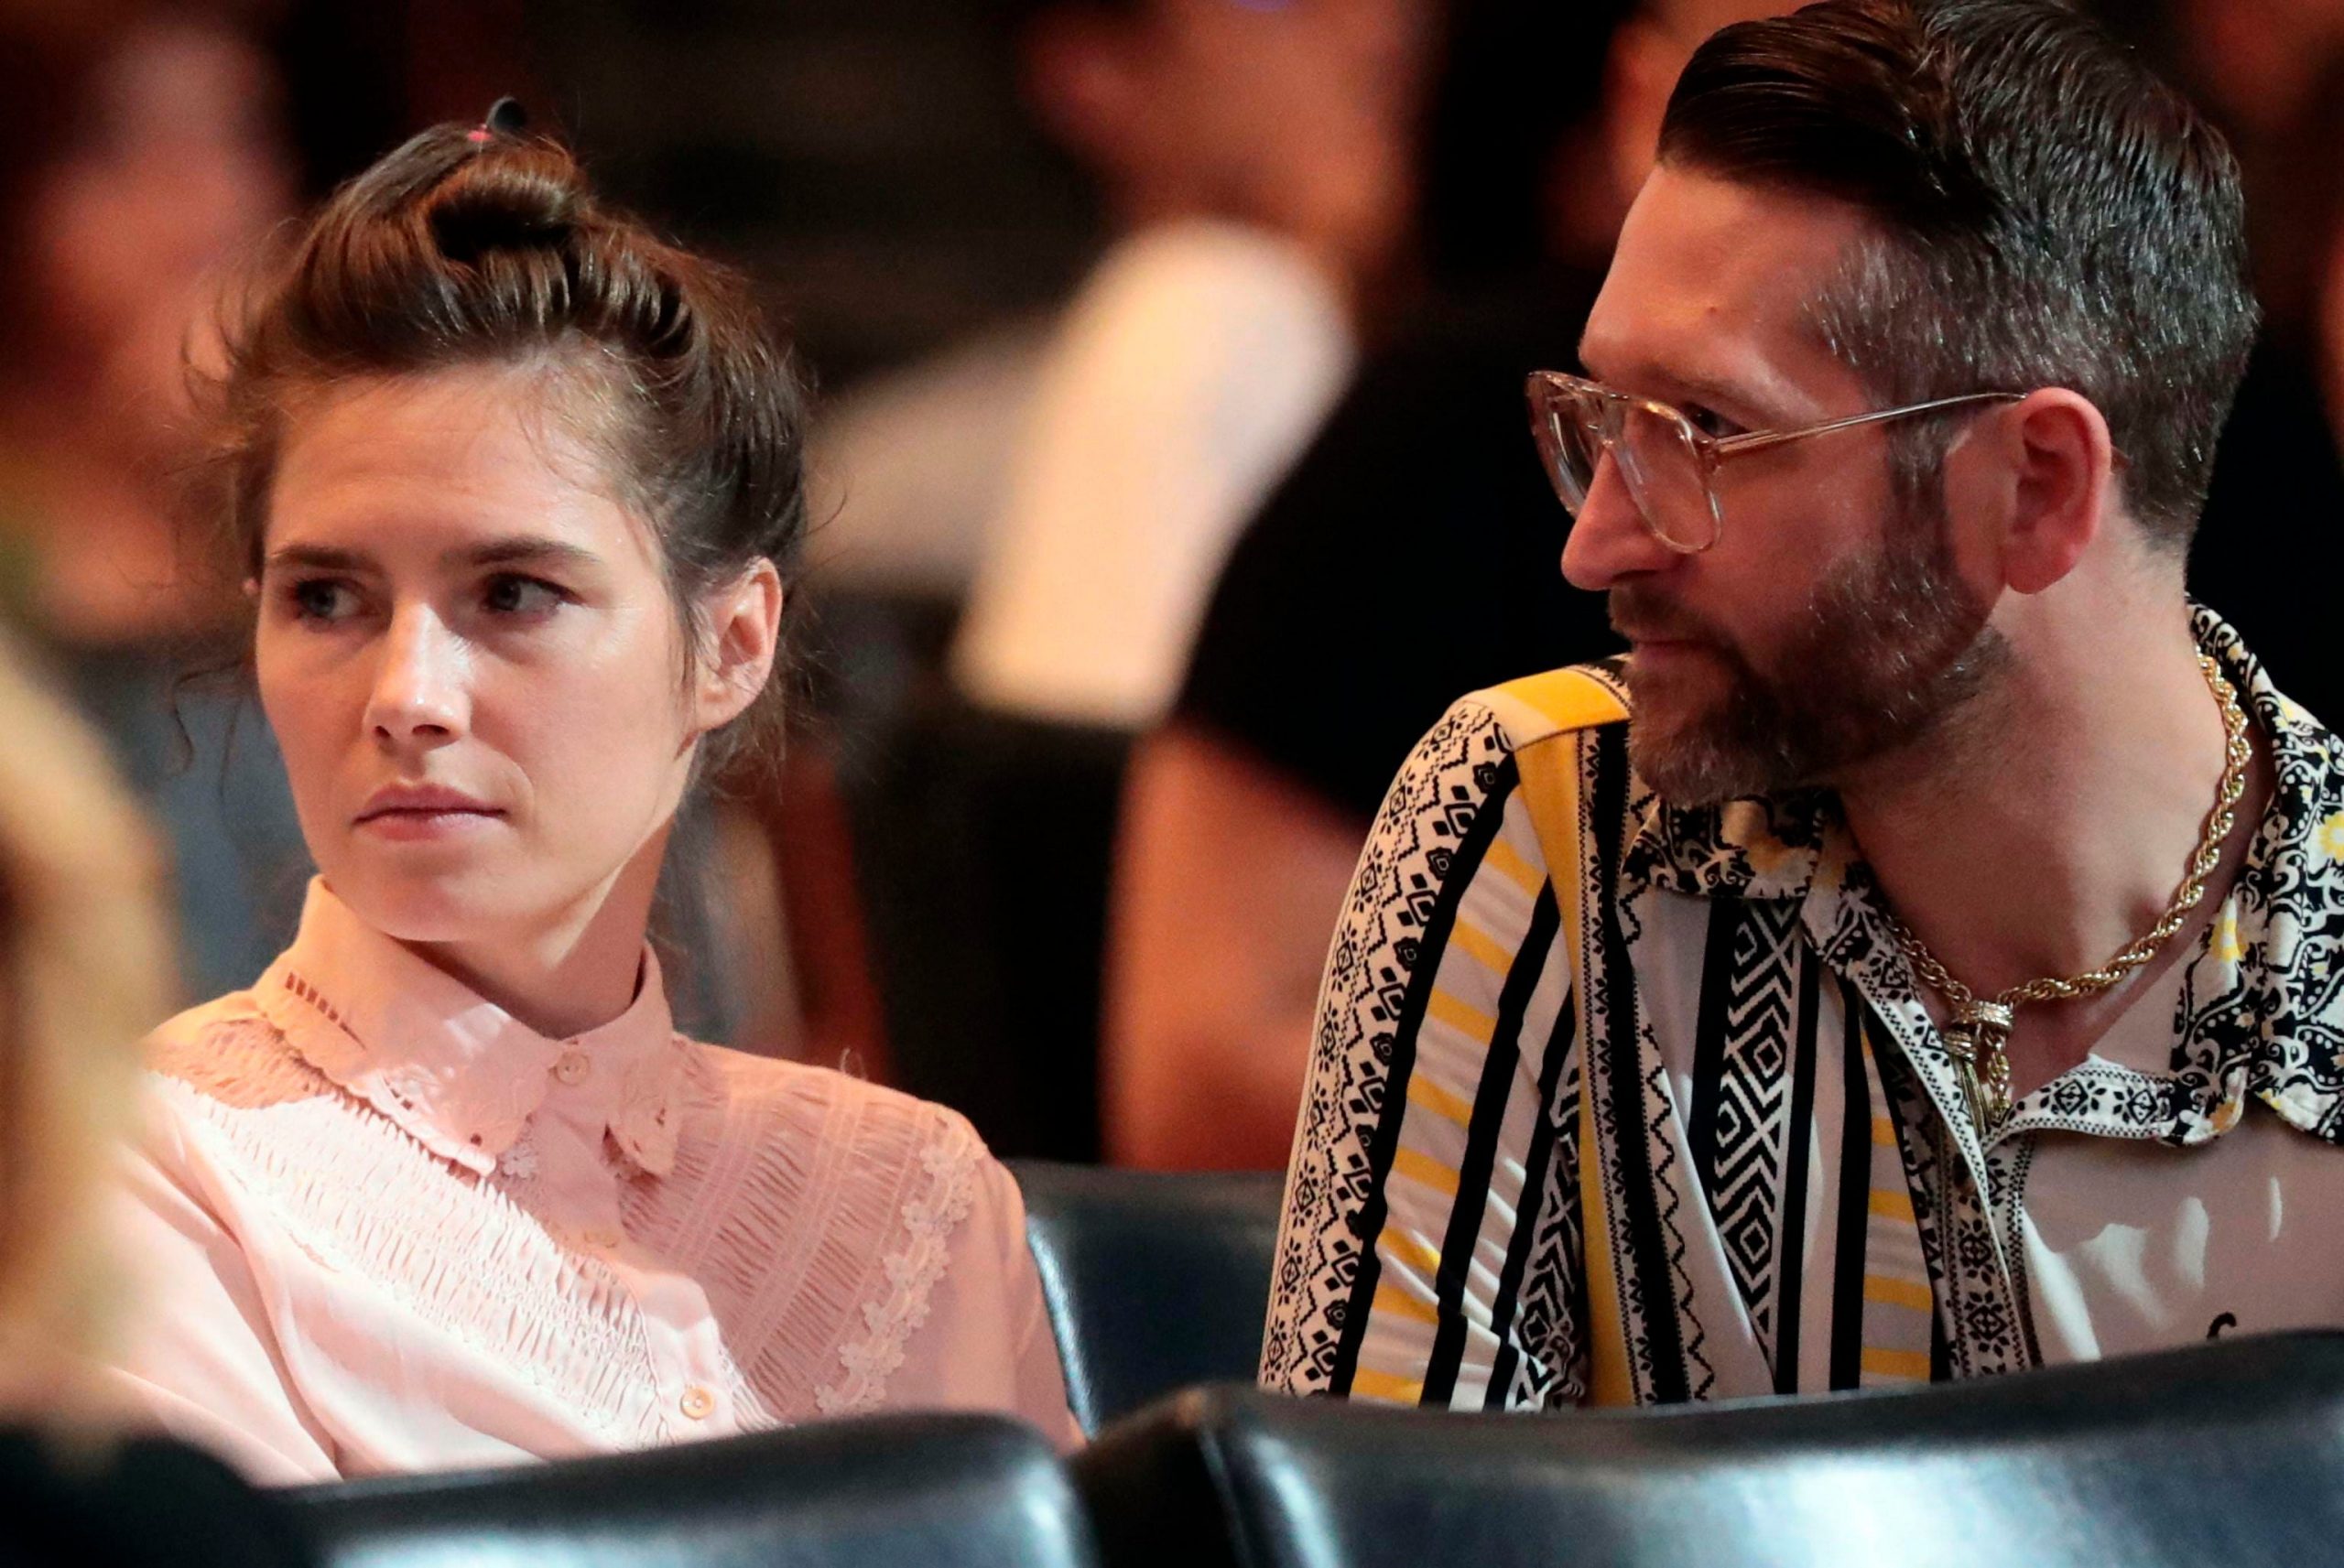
<point>743,622</point>
<point>2043,468</point>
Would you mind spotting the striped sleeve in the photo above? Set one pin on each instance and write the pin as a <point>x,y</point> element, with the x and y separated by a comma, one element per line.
<point>1428,1243</point>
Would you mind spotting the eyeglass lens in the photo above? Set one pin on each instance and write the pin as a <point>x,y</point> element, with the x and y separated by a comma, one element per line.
<point>1656,456</point>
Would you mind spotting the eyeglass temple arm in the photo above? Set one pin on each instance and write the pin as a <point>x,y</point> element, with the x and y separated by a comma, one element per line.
<point>1758,440</point>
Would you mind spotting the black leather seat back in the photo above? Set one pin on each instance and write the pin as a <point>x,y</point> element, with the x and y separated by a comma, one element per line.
<point>1154,1281</point>
<point>82,1500</point>
<point>902,1491</point>
<point>2229,1454</point>
<point>984,844</point>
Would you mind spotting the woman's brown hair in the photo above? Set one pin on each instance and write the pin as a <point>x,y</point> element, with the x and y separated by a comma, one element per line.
<point>484,247</point>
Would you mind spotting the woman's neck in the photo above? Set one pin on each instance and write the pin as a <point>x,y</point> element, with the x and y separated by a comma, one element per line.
<point>574,972</point>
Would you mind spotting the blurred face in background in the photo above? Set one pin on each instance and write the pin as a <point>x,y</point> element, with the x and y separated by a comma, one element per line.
<point>175,170</point>
<point>1298,116</point>
<point>471,657</point>
<point>1648,54</point>
<point>2256,62</point>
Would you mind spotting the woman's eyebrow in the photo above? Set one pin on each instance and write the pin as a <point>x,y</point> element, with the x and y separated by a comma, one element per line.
<point>316,557</point>
<point>522,551</point>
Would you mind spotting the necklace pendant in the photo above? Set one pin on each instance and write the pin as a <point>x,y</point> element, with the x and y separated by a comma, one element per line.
<point>1978,1040</point>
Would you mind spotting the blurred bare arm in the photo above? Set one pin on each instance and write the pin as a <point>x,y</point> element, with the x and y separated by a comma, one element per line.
<point>1229,877</point>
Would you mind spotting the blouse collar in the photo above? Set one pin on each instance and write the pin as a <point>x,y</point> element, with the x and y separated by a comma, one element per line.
<point>459,1073</point>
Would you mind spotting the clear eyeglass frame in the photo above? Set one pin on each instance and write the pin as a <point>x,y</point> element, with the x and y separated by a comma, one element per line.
<point>1668,463</point>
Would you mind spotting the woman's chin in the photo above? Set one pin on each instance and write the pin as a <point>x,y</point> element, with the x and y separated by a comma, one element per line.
<point>408,906</point>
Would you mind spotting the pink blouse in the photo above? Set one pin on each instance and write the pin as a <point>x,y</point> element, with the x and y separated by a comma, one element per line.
<point>383,1227</point>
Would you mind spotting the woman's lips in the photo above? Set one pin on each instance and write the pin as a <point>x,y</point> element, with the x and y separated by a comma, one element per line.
<point>416,825</point>
<point>404,811</point>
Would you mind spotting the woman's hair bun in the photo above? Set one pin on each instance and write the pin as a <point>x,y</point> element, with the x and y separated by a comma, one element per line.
<point>508,196</point>
<point>485,245</point>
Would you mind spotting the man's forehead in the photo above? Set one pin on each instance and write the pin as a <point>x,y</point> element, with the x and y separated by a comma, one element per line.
<point>1713,273</point>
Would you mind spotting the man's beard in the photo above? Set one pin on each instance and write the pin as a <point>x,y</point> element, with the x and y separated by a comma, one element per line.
<point>1888,649</point>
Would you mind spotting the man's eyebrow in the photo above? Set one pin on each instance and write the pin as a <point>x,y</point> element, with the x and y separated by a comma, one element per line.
<point>522,550</point>
<point>1679,386</point>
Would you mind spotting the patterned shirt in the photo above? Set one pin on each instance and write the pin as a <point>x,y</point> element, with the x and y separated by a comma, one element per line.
<point>1616,1102</point>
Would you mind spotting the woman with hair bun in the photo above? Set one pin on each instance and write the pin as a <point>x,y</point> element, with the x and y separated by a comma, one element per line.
<point>515,488</point>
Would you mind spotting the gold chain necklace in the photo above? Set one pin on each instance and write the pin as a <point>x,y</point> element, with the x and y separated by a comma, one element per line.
<point>1979,1037</point>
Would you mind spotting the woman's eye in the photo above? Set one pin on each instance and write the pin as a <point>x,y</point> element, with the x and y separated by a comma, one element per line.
<point>509,593</point>
<point>1709,422</point>
<point>320,598</point>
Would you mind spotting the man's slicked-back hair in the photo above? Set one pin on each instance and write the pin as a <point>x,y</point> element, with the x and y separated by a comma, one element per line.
<point>2046,212</point>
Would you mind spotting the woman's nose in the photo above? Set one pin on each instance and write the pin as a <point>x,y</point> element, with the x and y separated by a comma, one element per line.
<point>420,694</point>
<point>1609,541</point>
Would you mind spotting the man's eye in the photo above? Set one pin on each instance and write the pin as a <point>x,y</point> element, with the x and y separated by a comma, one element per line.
<point>1709,422</point>
<point>508,593</point>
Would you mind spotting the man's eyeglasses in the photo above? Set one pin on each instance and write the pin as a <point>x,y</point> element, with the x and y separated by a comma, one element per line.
<point>1669,463</point>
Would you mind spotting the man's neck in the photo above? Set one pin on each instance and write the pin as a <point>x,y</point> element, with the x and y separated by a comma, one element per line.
<point>2050,826</point>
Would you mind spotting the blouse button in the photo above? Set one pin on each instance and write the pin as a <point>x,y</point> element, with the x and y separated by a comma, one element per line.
<point>571,1068</point>
<point>697,1402</point>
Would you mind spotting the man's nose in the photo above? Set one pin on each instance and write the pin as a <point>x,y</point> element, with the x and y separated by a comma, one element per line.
<point>1609,542</point>
<point>420,695</point>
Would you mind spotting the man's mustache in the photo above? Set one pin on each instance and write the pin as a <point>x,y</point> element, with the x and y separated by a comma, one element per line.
<point>1643,615</point>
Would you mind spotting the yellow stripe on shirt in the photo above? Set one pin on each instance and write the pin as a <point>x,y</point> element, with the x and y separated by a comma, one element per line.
<point>1461,1016</point>
<point>1479,945</point>
<point>1567,699</point>
<point>1419,1166</point>
<point>1423,1091</point>
<point>1506,860</point>
<point>1393,1302</point>
<point>1384,1385</point>
<point>1914,1293</point>
<point>1893,1206</point>
<point>1913,1364</point>
<point>1402,1248</point>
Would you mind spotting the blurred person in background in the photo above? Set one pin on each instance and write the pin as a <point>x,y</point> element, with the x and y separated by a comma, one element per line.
<point>513,485</point>
<point>1254,161</point>
<point>2328,133</point>
<point>1312,677</point>
<point>2274,73</point>
<point>143,153</point>
<point>2270,73</point>
<point>85,968</point>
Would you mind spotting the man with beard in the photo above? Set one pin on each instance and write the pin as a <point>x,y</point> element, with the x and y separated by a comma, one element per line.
<point>1922,956</point>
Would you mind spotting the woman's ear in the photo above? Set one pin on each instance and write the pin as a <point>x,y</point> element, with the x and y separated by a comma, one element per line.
<point>743,621</point>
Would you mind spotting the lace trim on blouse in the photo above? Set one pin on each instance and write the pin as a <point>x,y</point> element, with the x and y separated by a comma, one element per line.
<point>361,1197</point>
<point>817,1213</point>
<point>928,1223</point>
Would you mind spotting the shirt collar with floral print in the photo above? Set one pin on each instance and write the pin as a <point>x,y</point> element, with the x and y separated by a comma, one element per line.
<point>2262,1014</point>
<point>457,1073</point>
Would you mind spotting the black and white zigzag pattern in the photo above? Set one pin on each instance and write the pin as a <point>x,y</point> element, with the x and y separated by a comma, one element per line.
<point>1753,1101</point>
